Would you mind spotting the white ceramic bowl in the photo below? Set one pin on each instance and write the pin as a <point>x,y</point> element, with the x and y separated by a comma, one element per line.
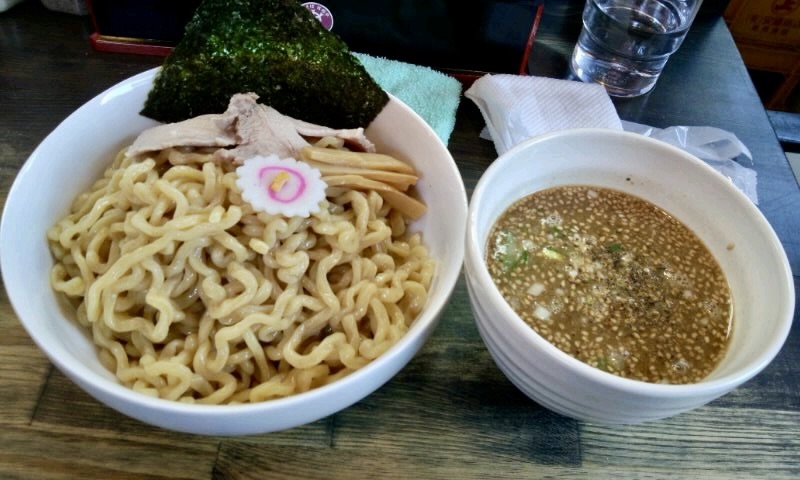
<point>756,268</point>
<point>76,153</point>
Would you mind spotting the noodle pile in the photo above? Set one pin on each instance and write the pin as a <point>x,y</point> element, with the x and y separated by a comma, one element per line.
<point>191,295</point>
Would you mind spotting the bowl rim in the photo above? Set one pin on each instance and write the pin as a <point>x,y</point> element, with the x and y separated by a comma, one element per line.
<point>520,329</point>
<point>105,387</point>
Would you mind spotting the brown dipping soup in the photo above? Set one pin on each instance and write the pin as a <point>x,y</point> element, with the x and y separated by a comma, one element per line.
<point>614,281</point>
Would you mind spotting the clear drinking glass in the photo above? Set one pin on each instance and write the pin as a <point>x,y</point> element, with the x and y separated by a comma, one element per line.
<point>624,44</point>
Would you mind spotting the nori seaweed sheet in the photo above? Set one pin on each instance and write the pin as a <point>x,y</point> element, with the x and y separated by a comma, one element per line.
<point>275,48</point>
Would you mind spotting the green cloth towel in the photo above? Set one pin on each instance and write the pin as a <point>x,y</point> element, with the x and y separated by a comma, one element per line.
<point>432,94</point>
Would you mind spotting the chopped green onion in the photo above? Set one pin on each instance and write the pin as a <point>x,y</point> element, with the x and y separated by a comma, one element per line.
<point>553,253</point>
<point>511,252</point>
<point>602,364</point>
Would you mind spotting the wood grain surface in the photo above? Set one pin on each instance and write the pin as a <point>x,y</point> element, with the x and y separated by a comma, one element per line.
<point>450,414</point>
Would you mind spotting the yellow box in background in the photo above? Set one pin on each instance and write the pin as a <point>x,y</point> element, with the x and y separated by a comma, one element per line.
<point>767,34</point>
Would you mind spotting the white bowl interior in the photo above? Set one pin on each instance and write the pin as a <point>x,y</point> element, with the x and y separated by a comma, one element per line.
<point>733,229</point>
<point>77,152</point>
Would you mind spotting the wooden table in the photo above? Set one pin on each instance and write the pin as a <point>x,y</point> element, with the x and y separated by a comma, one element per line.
<point>450,413</point>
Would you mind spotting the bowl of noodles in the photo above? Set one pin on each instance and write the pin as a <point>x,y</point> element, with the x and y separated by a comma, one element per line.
<point>154,285</point>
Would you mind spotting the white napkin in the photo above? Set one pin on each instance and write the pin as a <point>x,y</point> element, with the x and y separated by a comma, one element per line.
<point>516,107</point>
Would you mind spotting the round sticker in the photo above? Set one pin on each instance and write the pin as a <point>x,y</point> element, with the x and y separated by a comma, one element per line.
<point>321,13</point>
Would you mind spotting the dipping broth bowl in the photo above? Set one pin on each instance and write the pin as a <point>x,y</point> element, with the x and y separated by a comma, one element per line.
<point>728,223</point>
<point>76,153</point>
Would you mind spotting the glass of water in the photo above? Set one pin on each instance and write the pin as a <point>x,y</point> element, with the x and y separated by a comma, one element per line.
<point>624,44</point>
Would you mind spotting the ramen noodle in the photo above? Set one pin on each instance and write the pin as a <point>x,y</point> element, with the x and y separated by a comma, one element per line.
<point>192,295</point>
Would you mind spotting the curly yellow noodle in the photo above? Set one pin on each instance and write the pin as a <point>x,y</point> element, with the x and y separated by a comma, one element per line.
<point>190,295</point>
